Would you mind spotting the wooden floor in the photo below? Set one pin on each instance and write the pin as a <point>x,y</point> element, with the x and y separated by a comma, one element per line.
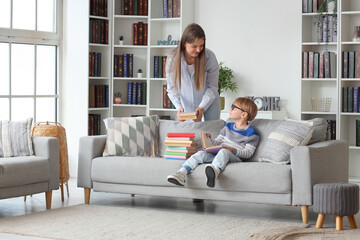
<point>36,203</point>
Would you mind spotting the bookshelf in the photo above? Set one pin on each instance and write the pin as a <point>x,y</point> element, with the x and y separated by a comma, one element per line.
<point>348,16</point>
<point>121,23</point>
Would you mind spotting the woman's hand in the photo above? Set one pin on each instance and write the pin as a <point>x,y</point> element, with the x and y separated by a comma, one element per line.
<point>200,112</point>
<point>178,114</point>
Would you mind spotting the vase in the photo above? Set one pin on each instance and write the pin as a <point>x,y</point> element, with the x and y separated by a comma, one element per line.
<point>121,42</point>
<point>117,100</point>
<point>222,103</point>
<point>356,35</point>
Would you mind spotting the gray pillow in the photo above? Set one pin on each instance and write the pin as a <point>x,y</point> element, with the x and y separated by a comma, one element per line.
<point>319,134</point>
<point>288,134</point>
<point>15,139</point>
<point>166,126</point>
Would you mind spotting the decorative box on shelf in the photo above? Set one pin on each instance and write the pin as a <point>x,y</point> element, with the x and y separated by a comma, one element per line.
<point>278,115</point>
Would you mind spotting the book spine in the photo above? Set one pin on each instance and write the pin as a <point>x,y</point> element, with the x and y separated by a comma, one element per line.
<point>325,29</point>
<point>321,65</point>
<point>345,65</point>
<point>135,34</point>
<point>356,99</point>
<point>311,64</point>
<point>164,95</point>
<point>131,7</point>
<point>116,63</point>
<point>139,91</point>
<point>145,33</point>
<point>99,64</point>
<point>135,7</point>
<point>96,65</point>
<point>357,123</point>
<point>141,33</point>
<point>350,98</point>
<point>121,66</point>
<point>129,92</point>
<point>357,65</point>
<point>165,9</point>
<point>131,64</point>
<point>125,65</point>
<point>345,99</point>
<point>316,65</point>
<point>134,92</point>
<point>146,7</point>
<point>327,64</point>
<point>304,6</point>
<point>106,95</point>
<point>126,7</point>
<point>141,7</point>
<point>164,66</point>
<point>351,64</point>
<point>160,66</point>
<point>170,10</point>
<point>156,66</point>
<point>143,93</point>
<point>314,8</point>
<point>305,64</point>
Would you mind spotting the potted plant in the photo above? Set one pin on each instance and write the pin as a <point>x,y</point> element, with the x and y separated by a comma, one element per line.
<point>139,73</point>
<point>121,40</point>
<point>326,7</point>
<point>226,82</point>
<point>117,99</point>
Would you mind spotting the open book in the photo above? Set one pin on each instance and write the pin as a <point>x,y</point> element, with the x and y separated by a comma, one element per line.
<point>207,144</point>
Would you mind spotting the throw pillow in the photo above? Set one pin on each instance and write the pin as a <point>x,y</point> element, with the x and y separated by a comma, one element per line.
<point>288,134</point>
<point>132,136</point>
<point>320,127</point>
<point>15,139</point>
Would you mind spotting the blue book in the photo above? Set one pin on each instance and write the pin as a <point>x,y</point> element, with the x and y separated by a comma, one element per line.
<point>165,9</point>
<point>96,65</point>
<point>356,100</point>
<point>156,66</point>
<point>131,64</point>
<point>138,93</point>
<point>134,93</point>
<point>129,93</point>
<point>125,66</point>
<point>106,95</point>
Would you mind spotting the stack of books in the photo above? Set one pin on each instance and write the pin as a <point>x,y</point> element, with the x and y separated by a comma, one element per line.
<point>180,146</point>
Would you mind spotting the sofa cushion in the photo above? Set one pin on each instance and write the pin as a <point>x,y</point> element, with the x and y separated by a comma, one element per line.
<point>15,139</point>
<point>288,134</point>
<point>320,127</point>
<point>18,171</point>
<point>132,136</point>
<point>166,126</point>
<point>244,176</point>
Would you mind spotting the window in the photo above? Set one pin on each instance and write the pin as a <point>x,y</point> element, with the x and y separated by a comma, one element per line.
<point>29,59</point>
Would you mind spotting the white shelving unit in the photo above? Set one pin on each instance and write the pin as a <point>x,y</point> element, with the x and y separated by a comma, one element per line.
<point>348,16</point>
<point>159,28</point>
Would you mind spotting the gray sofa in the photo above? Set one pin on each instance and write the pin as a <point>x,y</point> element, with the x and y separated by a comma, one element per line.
<point>21,176</point>
<point>251,181</point>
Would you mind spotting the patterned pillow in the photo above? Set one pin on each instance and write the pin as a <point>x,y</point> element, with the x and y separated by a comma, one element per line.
<point>15,139</point>
<point>288,134</point>
<point>132,136</point>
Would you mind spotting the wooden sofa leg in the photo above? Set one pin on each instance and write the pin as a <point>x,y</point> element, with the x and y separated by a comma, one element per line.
<point>305,213</point>
<point>87,195</point>
<point>48,199</point>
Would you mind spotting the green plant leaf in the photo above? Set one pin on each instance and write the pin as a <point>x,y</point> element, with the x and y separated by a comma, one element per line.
<point>226,76</point>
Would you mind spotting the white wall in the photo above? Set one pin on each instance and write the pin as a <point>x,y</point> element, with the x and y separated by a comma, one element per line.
<point>74,89</point>
<point>260,41</point>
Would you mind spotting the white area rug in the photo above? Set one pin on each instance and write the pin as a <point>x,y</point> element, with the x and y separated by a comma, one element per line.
<point>104,222</point>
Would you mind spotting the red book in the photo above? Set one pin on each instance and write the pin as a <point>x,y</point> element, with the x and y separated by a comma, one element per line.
<point>141,7</point>
<point>135,34</point>
<point>170,8</point>
<point>131,8</point>
<point>141,33</point>
<point>357,66</point>
<point>120,68</point>
<point>145,7</point>
<point>321,66</point>
<point>191,135</point>
<point>106,32</point>
<point>145,33</point>
<point>164,95</point>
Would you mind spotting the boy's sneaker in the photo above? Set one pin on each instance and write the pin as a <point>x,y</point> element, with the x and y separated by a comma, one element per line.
<point>212,174</point>
<point>178,179</point>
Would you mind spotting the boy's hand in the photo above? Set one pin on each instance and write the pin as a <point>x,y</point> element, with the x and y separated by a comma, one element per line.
<point>178,114</point>
<point>208,135</point>
<point>228,148</point>
<point>199,112</point>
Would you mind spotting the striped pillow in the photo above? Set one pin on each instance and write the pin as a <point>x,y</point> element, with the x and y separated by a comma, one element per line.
<point>288,134</point>
<point>132,136</point>
<point>15,138</point>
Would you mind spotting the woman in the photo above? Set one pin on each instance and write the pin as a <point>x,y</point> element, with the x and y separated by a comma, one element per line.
<point>192,74</point>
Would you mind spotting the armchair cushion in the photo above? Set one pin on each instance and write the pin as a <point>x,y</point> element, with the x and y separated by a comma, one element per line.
<point>15,139</point>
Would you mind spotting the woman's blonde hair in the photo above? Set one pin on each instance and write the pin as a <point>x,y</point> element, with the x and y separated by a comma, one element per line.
<point>191,33</point>
<point>248,105</point>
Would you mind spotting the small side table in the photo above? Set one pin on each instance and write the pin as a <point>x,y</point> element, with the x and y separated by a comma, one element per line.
<point>340,199</point>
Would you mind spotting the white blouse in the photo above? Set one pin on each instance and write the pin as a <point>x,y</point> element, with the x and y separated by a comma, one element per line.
<point>189,98</point>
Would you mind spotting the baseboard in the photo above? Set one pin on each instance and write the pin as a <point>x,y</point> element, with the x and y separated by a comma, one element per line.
<point>355,180</point>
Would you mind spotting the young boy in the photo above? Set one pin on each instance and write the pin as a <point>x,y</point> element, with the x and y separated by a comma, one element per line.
<point>238,138</point>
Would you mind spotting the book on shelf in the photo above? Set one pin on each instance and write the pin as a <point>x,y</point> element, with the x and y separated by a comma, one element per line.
<point>356,100</point>
<point>94,64</point>
<point>129,92</point>
<point>329,64</point>
<point>188,115</point>
<point>94,124</point>
<point>124,65</point>
<point>357,130</point>
<point>98,8</point>
<point>207,144</point>
<point>316,65</point>
<point>136,93</point>
<point>331,130</point>
<point>160,66</point>
<point>345,65</point>
<point>311,64</point>
<point>134,7</point>
<point>166,100</point>
<point>98,96</point>
<point>357,65</point>
<point>99,31</point>
<point>171,8</point>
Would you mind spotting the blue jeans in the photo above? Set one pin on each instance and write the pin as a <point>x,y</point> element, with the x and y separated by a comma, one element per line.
<point>213,112</point>
<point>220,160</point>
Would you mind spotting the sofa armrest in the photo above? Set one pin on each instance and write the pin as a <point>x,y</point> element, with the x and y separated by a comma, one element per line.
<point>322,162</point>
<point>48,147</point>
<point>89,148</point>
